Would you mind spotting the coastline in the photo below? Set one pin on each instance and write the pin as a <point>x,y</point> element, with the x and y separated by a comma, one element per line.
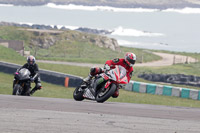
<point>151,4</point>
<point>138,9</point>
<point>108,33</point>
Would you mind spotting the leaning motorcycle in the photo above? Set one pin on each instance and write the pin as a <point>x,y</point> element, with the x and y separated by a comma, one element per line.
<point>110,81</point>
<point>22,83</point>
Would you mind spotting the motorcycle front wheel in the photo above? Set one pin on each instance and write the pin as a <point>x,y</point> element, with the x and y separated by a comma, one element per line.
<point>17,89</point>
<point>105,95</point>
<point>78,94</point>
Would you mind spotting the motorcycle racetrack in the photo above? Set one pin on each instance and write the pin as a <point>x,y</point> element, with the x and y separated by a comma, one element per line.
<point>21,114</point>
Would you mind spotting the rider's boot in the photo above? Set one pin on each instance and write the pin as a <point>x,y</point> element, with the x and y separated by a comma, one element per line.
<point>116,94</point>
<point>33,91</point>
<point>37,87</point>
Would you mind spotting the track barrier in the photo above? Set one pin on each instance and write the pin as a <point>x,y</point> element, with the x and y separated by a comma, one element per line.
<point>164,90</point>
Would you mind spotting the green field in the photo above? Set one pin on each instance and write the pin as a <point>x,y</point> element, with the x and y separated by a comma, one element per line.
<point>55,91</point>
<point>9,55</point>
<point>72,46</point>
<point>92,54</point>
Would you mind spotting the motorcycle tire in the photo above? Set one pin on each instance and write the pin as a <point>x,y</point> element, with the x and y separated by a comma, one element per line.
<point>107,95</point>
<point>78,95</point>
<point>16,89</point>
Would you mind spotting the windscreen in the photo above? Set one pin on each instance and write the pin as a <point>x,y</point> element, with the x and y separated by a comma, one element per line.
<point>24,73</point>
<point>122,72</point>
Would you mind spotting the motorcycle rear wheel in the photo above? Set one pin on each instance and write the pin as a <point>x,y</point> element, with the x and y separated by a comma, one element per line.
<point>107,95</point>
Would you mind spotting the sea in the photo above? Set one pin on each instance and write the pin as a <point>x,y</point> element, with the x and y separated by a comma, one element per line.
<point>169,29</point>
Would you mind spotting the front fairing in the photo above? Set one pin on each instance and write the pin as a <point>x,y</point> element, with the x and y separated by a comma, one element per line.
<point>118,75</point>
<point>23,74</point>
<point>123,77</point>
<point>124,80</point>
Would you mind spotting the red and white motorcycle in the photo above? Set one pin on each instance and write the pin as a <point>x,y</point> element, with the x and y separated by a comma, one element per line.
<point>103,86</point>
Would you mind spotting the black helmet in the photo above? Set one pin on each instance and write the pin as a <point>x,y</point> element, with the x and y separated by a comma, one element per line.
<point>31,60</point>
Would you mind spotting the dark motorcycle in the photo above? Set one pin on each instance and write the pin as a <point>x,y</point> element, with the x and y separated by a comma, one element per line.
<point>22,83</point>
<point>112,80</point>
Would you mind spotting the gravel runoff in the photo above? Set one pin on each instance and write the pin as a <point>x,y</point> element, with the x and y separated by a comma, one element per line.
<point>20,114</point>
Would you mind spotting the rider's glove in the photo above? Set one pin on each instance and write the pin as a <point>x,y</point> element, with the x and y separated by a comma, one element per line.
<point>31,79</point>
<point>107,67</point>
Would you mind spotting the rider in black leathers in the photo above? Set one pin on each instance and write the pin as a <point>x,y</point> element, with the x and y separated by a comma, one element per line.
<point>34,70</point>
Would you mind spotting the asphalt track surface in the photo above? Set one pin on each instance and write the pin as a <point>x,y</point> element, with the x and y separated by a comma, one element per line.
<point>20,114</point>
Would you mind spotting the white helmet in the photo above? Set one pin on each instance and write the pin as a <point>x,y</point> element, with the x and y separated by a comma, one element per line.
<point>31,60</point>
<point>130,58</point>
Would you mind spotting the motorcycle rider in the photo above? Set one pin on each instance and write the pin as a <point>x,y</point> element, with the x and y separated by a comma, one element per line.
<point>127,62</point>
<point>34,70</point>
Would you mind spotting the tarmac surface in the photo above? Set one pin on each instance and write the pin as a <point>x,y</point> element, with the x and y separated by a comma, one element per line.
<point>20,114</point>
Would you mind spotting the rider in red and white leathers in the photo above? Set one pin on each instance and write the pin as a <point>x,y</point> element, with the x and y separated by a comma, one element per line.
<point>127,62</point>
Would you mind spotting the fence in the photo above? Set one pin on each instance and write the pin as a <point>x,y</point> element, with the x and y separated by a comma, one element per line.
<point>183,60</point>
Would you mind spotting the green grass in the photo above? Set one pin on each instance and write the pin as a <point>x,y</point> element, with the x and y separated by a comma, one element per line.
<point>56,91</point>
<point>12,33</point>
<point>74,70</point>
<point>188,69</point>
<point>89,53</point>
<point>9,55</point>
<point>72,46</point>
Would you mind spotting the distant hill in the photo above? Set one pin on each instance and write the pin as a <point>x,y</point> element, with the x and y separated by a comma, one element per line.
<point>58,44</point>
<point>74,46</point>
<point>159,4</point>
